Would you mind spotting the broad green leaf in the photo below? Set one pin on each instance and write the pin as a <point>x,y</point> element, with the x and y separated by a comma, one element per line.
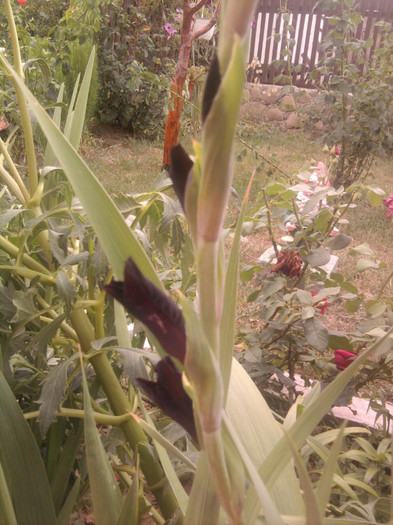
<point>53,393</point>
<point>105,493</point>
<point>318,257</point>
<point>365,264</point>
<point>339,242</point>
<point>362,249</point>
<point>203,505</point>
<point>116,238</point>
<point>22,465</point>
<point>259,432</point>
<point>316,333</point>
<point>7,514</point>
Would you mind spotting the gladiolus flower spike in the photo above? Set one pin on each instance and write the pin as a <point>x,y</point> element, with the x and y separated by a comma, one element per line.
<point>343,359</point>
<point>145,301</point>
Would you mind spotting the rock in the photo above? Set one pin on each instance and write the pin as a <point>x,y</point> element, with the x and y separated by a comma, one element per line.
<point>293,121</point>
<point>270,96</point>
<point>274,115</point>
<point>287,103</point>
<point>254,111</point>
<point>255,94</point>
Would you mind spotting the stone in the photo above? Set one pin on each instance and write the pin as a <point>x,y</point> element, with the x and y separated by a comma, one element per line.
<point>274,115</point>
<point>270,96</point>
<point>293,121</point>
<point>287,103</point>
<point>319,125</point>
<point>254,111</point>
<point>255,94</point>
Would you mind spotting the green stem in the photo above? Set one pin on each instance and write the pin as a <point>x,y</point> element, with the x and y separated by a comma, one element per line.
<point>120,405</point>
<point>269,222</point>
<point>11,185</point>
<point>385,282</point>
<point>22,104</point>
<point>53,314</point>
<point>13,251</point>
<point>208,291</point>
<point>103,419</point>
<point>14,172</point>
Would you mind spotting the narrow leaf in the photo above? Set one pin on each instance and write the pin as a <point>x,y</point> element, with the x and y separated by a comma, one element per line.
<point>22,465</point>
<point>117,239</point>
<point>105,493</point>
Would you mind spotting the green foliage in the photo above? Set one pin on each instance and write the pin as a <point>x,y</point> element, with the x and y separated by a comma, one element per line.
<point>357,90</point>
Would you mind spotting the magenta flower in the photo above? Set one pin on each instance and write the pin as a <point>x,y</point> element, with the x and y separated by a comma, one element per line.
<point>388,203</point>
<point>170,30</point>
<point>343,359</point>
<point>336,150</point>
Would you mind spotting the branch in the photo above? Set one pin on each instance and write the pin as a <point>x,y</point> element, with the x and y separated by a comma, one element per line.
<point>197,6</point>
<point>204,29</point>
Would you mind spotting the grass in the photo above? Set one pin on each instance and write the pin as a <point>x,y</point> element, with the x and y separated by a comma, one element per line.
<point>127,165</point>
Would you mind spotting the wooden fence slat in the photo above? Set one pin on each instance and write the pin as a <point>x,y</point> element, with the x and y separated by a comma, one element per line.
<point>310,28</point>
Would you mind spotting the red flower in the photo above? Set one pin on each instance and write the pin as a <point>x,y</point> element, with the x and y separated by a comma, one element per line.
<point>322,304</point>
<point>21,2</point>
<point>336,150</point>
<point>343,359</point>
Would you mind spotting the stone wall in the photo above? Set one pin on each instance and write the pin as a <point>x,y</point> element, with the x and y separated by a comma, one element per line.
<point>277,104</point>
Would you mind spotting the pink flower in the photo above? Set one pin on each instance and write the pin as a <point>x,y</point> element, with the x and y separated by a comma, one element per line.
<point>336,150</point>
<point>22,2</point>
<point>322,304</point>
<point>169,29</point>
<point>343,359</point>
<point>388,203</point>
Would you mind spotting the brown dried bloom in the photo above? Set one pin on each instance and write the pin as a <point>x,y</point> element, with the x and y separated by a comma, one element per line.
<point>289,263</point>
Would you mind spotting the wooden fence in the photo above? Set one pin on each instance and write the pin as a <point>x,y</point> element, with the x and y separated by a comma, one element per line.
<point>310,26</point>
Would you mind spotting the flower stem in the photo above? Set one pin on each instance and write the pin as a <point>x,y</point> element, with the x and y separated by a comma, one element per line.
<point>120,405</point>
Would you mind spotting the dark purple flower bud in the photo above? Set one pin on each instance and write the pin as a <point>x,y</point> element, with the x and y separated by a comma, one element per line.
<point>179,171</point>
<point>167,393</point>
<point>145,301</point>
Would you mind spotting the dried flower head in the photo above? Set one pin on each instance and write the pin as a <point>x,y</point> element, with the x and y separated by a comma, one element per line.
<point>289,263</point>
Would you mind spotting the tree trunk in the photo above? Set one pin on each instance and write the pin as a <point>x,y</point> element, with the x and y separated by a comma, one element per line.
<point>172,126</point>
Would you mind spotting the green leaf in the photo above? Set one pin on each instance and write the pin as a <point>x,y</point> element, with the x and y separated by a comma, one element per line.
<point>130,510</point>
<point>279,457</point>
<point>259,432</point>
<point>22,465</point>
<point>362,249</point>
<point>318,257</point>
<point>40,341</point>
<point>365,264</point>
<point>228,318</point>
<point>203,506</point>
<point>53,393</point>
<point>63,517</point>
<point>326,480</point>
<point>339,242</point>
<point>374,199</point>
<point>316,333</point>
<point>116,238</point>
<point>170,474</point>
<point>50,158</point>
<point>7,514</point>
<point>105,493</point>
